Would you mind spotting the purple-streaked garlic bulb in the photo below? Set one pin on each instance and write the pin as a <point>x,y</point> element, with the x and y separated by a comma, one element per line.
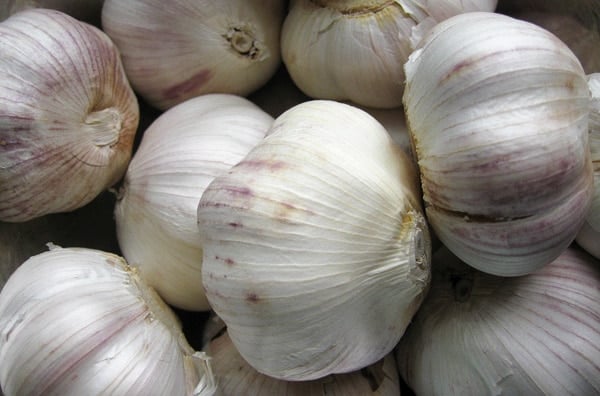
<point>175,51</point>
<point>497,110</point>
<point>68,115</point>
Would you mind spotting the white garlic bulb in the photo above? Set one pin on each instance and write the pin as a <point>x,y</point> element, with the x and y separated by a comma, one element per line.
<point>316,251</point>
<point>180,153</point>
<point>497,110</point>
<point>351,50</point>
<point>236,377</point>
<point>68,115</point>
<point>77,321</point>
<point>227,46</point>
<point>478,334</point>
<point>589,234</point>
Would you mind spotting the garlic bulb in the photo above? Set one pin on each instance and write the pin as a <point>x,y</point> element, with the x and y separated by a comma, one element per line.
<point>320,225</point>
<point>179,155</point>
<point>589,234</point>
<point>582,40</point>
<point>497,110</point>
<point>478,334</point>
<point>236,377</point>
<point>227,46</point>
<point>351,50</point>
<point>84,10</point>
<point>67,114</point>
<point>77,321</point>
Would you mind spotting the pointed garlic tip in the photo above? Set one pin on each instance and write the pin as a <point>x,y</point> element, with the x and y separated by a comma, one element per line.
<point>479,334</point>
<point>80,321</point>
<point>68,114</point>
<point>497,110</point>
<point>589,234</point>
<point>320,224</point>
<point>350,50</point>
<point>179,154</point>
<point>229,46</point>
<point>235,377</point>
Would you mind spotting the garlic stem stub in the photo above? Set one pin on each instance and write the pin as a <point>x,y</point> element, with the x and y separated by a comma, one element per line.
<point>180,153</point>
<point>498,110</point>
<point>188,48</point>
<point>479,334</point>
<point>589,234</point>
<point>316,250</point>
<point>351,50</point>
<point>78,321</point>
<point>67,114</point>
<point>235,377</point>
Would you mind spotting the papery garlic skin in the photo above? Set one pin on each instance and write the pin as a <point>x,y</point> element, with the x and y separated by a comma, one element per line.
<point>497,110</point>
<point>77,321</point>
<point>316,252</point>
<point>236,377</point>
<point>228,46</point>
<point>180,153</point>
<point>67,114</point>
<point>478,334</point>
<point>589,234</point>
<point>351,50</point>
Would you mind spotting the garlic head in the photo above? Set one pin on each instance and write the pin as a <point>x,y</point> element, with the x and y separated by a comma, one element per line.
<point>180,153</point>
<point>320,225</point>
<point>78,321</point>
<point>226,46</point>
<point>67,114</point>
<point>497,110</point>
<point>235,376</point>
<point>351,50</point>
<point>479,334</point>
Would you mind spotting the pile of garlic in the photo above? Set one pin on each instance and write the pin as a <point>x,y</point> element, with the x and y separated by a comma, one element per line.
<point>299,197</point>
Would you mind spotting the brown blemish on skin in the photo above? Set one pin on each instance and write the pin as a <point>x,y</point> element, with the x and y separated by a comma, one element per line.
<point>228,261</point>
<point>234,225</point>
<point>184,88</point>
<point>252,297</point>
<point>244,191</point>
